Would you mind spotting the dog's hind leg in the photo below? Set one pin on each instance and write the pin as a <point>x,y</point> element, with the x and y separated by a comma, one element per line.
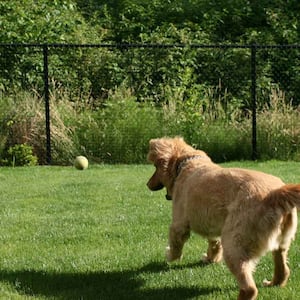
<point>178,235</point>
<point>281,270</point>
<point>248,290</point>
<point>214,252</point>
<point>242,270</point>
<point>241,264</point>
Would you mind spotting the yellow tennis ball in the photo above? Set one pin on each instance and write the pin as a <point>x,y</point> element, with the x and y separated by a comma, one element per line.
<point>81,162</point>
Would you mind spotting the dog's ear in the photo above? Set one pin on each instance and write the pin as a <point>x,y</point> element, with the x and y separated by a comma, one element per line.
<point>160,150</point>
<point>155,146</point>
<point>163,147</point>
<point>152,142</point>
<point>179,138</point>
<point>151,157</point>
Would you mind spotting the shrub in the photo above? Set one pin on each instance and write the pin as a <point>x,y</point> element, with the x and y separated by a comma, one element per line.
<point>21,155</point>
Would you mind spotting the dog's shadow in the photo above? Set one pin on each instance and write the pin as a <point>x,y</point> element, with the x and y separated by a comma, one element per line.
<point>99,285</point>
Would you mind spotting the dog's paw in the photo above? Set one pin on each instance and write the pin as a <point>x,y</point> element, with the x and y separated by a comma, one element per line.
<point>205,259</point>
<point>208,260</point>
<point>170,256</point>
<point>267,283</point>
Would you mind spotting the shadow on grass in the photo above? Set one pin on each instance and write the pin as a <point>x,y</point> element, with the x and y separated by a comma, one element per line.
<point>98,285</point>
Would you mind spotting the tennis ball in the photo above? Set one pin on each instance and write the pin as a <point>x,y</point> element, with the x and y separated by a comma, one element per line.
<point>81,162</point>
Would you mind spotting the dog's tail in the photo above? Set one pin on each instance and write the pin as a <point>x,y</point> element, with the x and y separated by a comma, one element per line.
<point>285,198</point>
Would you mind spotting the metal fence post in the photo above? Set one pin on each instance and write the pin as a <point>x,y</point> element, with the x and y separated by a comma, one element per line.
<point>47,105</point>
<point>253,100</point>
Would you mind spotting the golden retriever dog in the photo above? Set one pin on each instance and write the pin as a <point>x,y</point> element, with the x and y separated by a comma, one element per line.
<point>242,213</point>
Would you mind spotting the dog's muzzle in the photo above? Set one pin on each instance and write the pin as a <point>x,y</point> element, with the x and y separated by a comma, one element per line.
<point>168,197</point>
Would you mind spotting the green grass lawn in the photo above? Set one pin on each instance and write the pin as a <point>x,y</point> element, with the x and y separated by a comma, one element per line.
<point>101,234</point>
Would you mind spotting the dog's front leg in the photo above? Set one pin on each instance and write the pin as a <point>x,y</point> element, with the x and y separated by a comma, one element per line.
<point>178,235</point>
<point>214,252</point>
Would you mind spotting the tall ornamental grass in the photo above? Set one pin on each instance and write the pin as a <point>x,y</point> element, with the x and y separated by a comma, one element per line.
<point>117,129</point>
<point>22,122</point>
<point>279,129</point>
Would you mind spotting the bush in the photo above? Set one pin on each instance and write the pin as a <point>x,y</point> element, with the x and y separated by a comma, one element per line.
<point>20,155</point>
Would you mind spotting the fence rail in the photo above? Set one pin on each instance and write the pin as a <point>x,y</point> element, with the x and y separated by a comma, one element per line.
<point>7,50</point>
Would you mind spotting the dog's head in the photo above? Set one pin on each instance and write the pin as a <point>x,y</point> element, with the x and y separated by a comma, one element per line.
<point>167,154</point>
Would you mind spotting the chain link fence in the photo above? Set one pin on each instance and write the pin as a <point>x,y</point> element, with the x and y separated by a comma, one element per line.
<point>235,102</point>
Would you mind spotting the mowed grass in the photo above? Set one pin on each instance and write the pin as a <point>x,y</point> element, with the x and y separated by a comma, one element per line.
<point>101,234</point>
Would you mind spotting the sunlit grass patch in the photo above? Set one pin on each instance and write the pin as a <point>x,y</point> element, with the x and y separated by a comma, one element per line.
<point>101,234</point>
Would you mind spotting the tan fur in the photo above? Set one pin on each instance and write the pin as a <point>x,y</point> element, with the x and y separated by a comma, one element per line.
<point>242,213</point>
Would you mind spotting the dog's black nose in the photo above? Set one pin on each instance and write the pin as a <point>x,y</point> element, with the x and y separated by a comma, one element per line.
<point>168,197</point>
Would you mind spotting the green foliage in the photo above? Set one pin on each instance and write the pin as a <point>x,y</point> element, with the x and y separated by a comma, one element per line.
<point>41,22</point>
<point>231,21</point>
<point>20,155</point>
<point>38,22</point>
<point>166,22</point>
<point>115,99</point>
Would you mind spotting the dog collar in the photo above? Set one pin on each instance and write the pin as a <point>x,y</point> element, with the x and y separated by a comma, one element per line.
<point>185,160</point>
